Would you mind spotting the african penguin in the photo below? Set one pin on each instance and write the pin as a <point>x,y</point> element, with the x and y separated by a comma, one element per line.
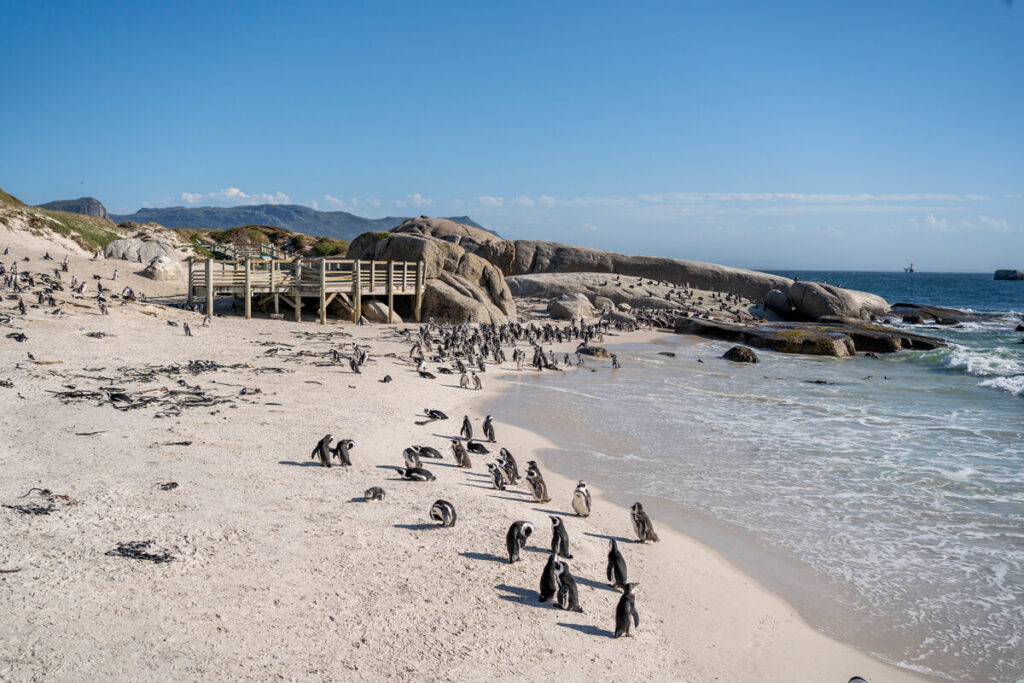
<point>341,451</point>
<point>568,593</point>
<point>374,493</point>
<point>497,476</point>
<point>322,450</point>
<point>489,428</point>
<point>625,610</point>
<point>642,524</point>
<point>461,455</point>
<point>467,428</point>
<point>549,580</point>
<point>581,500</point>
<point>416,474</point>
<point>515,539</point>
<point>477,447</point>
<point>559,538</point>
<point>616,565</point>
<point>444,512</point>
<point>411,457</point>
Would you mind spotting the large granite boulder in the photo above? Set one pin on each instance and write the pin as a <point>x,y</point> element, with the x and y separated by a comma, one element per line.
<point>162,268</point>
<point>603,303</point>
<point>777,301</point>
<point>459,286</point>
<point>377,312</point>
<point>814,300</point>
<point>571,307</point>
<point>140,249</point>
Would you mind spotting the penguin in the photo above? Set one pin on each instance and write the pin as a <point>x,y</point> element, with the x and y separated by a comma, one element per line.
<point>489,428</point>
<point>416,474</point>
<point>461,456</point>
<point>568,593</point>
<point>341,451</point>
<point>625,610</point>
<point>581,500</point>
<point>616,565</point>
<point>435,414</point>
<point>497,477</point>
<point>374,493</point>
<point>477,447</point>
<point>412,458</point>
<point>515,539</point>
<point>444,512</point>
<point>559,538</point>
<point>511,464</point>
<point>642,524</point>
<point>322,450</point>
<point>464,381</point>
<point>387,378</point>
<point>506,467</point>
<point>539,490</point>
<point>428,452</point>
<point>549,580</point>
<point>477,384</point>
<point>467,428</point>
<point>353,364</point>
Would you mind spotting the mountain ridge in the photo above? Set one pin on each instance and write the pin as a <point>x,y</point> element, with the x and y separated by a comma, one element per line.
<point>293,217</point>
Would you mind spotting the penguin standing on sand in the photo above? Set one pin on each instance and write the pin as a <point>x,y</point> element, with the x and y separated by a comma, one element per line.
<point>497,476</point>
<point>626,610</point>
<point>322,450</point>
<point>581,500</point>
<point>444,512</point>
<point>559,538</point>
<point>568,593</point>
<point>489,428</point>
<point>515,539</point>
<point>510,465</point>
<point>411,457</point>
<point>461,455</point>
<point>341,451</point>
<point>642,524</point>
<point>549,580</point>
<point>616,565</point>
<point>467,427</point>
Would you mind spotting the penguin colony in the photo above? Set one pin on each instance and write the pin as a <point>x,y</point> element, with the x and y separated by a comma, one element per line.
<point>466,346</point>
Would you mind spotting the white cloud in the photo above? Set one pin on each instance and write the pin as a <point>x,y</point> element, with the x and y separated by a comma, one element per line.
<point>373,201</point>
<point>314,204</point>
<point>589,226</point>
<point>235,196</point>
<point>491,202</point>
<point>937,224</point>
<point>521,200</point>
<point>334,202</point>
<point>415,199</point>
<point>994,223</point>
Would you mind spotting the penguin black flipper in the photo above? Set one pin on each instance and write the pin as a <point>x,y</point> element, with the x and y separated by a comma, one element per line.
<point>636,615</point>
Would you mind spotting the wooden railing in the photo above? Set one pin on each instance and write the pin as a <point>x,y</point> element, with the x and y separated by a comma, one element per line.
<point>327,278</point>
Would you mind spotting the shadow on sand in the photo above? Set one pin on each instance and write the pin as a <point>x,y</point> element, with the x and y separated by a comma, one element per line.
<point>588,629</point>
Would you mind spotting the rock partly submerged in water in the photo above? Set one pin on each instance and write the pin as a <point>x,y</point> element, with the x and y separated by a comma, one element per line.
<point>740,354</point>
<point>595,351</point>
<point>840,340</point>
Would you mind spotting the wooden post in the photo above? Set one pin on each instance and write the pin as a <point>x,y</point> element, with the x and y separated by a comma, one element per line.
<point>357,298</point>
<point>248,290</point>
<point>323,291</point>
<point>373,284</point>
<point>191,268</point>
<point>273,286</point>
<point>209,287</point>
<point>297,289</point>
<point>391,293</point>
<point>419,290</point>
<point>405,277</point>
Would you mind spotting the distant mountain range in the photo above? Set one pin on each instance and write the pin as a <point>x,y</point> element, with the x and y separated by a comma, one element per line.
<point>292,217</point>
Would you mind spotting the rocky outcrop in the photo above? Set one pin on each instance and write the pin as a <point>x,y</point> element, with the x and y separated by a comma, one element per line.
<point>1009,275</point>
<point>86,206</point>
<point>814,300</point>
<point>595,351</point>
<point>141,249</point>
<point>822,339</point>
<point>459,285</point>
<point>740,354</point>
<point>162,268</point>
<point>778,301</point>
<point>571,307</point>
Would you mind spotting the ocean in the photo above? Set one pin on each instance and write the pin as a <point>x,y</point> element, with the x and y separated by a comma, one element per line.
<point>883,497</point>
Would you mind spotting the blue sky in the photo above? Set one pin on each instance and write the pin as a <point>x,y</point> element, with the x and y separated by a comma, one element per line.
<point>771,134</point>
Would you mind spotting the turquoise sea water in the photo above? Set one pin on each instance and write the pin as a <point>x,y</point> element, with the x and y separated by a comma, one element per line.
<point>887,504</point>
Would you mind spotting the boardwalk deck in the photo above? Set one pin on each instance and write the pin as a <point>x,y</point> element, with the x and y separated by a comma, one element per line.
<point>291,280</point>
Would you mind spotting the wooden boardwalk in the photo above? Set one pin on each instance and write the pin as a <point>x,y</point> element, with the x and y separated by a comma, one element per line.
<point>291,280</point>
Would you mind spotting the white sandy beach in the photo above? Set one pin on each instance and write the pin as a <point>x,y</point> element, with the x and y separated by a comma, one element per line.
<point>280,570</point>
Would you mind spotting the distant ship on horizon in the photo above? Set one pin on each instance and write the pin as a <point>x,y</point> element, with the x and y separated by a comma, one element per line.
<point>909,269</point>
